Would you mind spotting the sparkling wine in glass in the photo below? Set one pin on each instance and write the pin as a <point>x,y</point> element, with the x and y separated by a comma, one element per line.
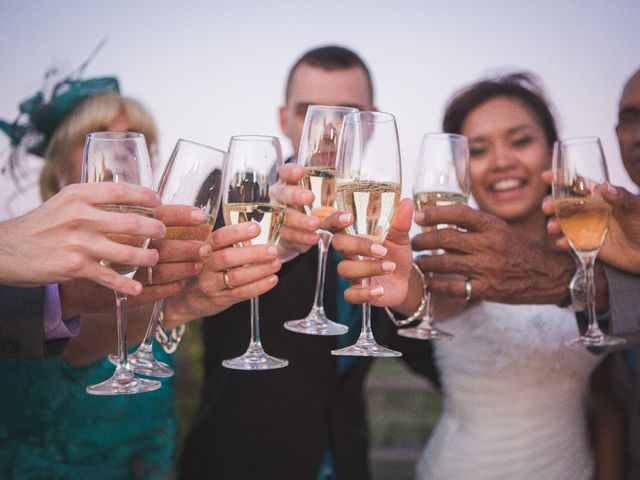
<point>318,148</point>
<point>442,178</point>
<point>193,176</point>
<point>368,186</point>
<point>579,167</point>
<point>120,157</point>
<point>252,169</point>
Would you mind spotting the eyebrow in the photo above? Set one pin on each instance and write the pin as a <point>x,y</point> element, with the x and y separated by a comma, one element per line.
<point>627,110</point>
<point>511,131</point>
<point>300,105</point>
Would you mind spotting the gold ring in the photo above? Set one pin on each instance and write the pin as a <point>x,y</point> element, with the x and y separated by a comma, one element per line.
<point>467,290</point>
<point>225,279</point>
<point>150,275</point>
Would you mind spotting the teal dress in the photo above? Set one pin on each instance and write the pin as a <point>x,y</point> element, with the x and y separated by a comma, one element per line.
<point>50,428</point>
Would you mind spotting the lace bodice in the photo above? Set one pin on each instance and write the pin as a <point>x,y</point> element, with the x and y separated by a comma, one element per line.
<point>513,397</point>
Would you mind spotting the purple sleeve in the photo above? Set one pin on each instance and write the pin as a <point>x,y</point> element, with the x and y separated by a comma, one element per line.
<point>54,326</point>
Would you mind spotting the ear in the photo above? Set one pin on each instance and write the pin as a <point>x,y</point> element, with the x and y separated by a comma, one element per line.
<point>284,121</point>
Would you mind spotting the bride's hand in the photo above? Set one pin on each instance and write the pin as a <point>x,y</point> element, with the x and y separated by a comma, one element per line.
<point>388,265</point>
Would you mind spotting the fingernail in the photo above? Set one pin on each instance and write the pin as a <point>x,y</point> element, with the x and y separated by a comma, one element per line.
<point>197,267</point>
<point>253,227</point>
<point>313,222</point>
<point>198,215</point>
<point>345,218</point>
<point>388,266</point>
<point>137,288</point>
<point>378,250</point>
<point>156,257</point>
<point>272,250</point>
<point>276,263</point>
<point>418,217</point>
<point>157,197</point>
<point>272,279</point>
<point>611,189</point>
<point>205,251</point>
<point>306,197</point>
<point>377,291</point>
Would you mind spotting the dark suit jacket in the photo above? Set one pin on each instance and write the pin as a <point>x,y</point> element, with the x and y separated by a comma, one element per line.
<point>22,324</point>
<point>278,424</point>
<point>624,305</point>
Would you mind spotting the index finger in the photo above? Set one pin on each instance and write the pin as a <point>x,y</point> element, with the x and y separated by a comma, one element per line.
<point>233,234</point>
<point>460,215</point>
<point>291,173</point>
<point>103,193</point>
<point>181,215</point>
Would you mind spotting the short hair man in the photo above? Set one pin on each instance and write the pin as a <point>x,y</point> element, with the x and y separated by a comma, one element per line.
<point>308,420</point>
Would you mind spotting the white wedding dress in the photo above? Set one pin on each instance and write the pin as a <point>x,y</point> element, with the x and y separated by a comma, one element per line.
<point>514,397</point>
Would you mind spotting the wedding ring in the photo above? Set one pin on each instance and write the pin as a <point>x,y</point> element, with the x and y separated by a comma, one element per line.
<point>467,289</point>
<point>150,275</point>
<point>225,279</point>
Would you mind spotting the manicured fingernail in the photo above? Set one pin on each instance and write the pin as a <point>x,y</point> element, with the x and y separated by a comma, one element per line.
<point>272,250</point>
<point>388,266</point>
<point>418,217</point>
<point>611,189</point>
<point>198,215</point>
<point>378,250</point>
<point>204,251</point>
<point>345,218</point>
<point>377,291</point>
<point>253,227</point>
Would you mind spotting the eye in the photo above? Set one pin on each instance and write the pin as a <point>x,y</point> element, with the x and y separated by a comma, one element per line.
<point>522,141</point>
<point>477,151</point>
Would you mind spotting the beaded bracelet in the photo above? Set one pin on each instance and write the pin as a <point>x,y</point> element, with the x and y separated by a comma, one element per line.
<point>418,313</point>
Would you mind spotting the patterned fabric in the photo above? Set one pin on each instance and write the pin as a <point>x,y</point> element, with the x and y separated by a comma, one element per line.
<point>51,428</point>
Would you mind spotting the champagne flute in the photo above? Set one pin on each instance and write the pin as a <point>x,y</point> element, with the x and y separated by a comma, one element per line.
<point>442,178</point>
<point>368,185</point>
<point>579,167</point>
<point>120,157</point>
<point>254,161</point>
<point>193,176</point>
<point>318,146</point>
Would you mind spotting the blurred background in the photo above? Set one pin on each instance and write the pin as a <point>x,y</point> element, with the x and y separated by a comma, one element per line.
<point>211,69</point>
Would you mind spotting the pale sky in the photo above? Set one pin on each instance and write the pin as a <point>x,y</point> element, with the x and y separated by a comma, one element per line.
<point>208,70</point>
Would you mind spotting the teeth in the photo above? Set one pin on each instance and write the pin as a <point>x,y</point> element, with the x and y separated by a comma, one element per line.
<point>506,184</point>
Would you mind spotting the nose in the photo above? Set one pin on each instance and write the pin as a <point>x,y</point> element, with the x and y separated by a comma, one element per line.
<point>502,158</point>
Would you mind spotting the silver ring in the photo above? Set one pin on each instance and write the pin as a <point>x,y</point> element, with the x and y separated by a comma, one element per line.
<point>225,279</point>
<point>467,289</point>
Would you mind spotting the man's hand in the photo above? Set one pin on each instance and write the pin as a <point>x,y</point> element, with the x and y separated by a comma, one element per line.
<point>298,234</point>
<point>67,236</point>
<point>502,264</point>
<point>249,270</point>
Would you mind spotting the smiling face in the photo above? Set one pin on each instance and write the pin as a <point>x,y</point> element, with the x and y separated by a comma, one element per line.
<point>508,151</point>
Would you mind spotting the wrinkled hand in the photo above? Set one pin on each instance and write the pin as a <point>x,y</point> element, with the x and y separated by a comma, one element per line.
<point>66,237</point>
<point>250,270</point>
<point>502,264</point>
<point>178,260</point>
<point>621,246</point>
<point>388,265</point>
<point>298,234</point>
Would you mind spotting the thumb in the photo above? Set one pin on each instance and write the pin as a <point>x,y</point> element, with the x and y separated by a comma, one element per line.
<point>401,223</point>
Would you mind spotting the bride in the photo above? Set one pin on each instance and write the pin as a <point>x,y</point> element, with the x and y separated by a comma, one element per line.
<point>514,396</point>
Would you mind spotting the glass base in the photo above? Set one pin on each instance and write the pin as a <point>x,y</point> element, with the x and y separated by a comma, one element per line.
<point>426,332</point>
<point>255,358</point>
<point>596,341</point>
<point>366,349</point>
<point>316,323</point>
<point>123,383</point>
<point>144,363</point>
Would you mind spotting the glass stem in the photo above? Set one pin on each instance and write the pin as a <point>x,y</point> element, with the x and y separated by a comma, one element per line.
<point>255,323</point>
<point>121,317</point>
<point>366,333</point>
<point>147,344</point>
<point>588,262</point>
<point>323,249</point>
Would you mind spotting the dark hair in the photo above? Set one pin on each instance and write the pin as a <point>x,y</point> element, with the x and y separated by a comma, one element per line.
<point>330,57</point>
<point>522,86</point>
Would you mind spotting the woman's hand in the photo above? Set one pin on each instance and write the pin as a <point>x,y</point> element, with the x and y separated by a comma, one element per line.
<point>388,265</point>
<point>250,271</point>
